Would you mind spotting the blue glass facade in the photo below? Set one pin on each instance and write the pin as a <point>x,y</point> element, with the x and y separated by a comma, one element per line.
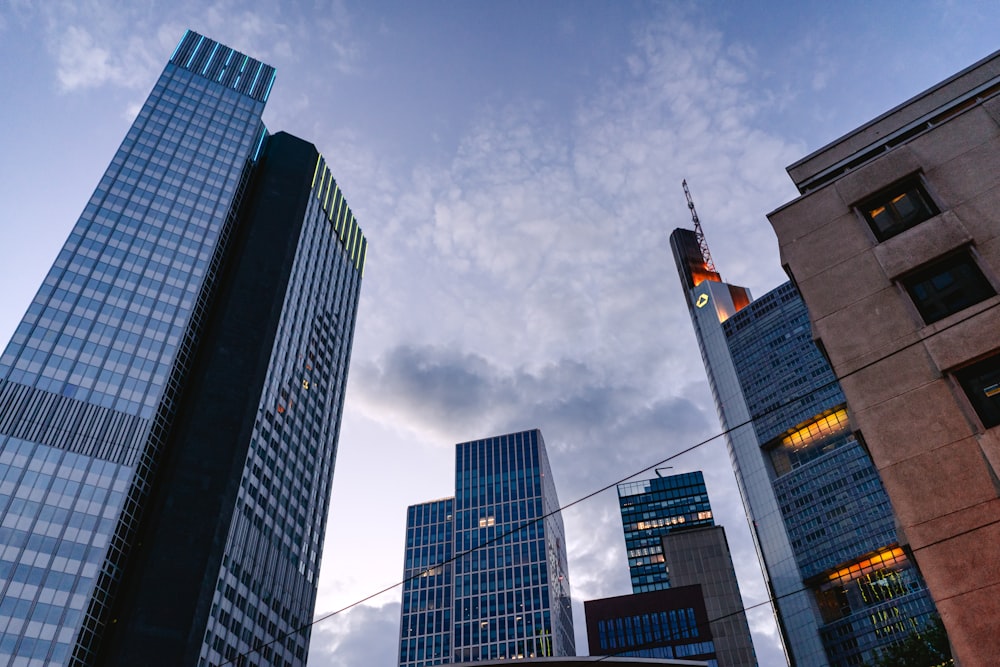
<point>665,624</point>
<point>93,380</point>
<point>510,596</point>
<point>822,522</point>
<point>835,510</point>
<point>650,510</point>
<point>425,628</point>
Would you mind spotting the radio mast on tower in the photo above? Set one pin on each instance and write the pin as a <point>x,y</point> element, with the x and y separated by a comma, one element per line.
<point>700,235</point>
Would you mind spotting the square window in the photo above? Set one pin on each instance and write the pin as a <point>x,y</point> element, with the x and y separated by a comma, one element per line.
<point>947,286</point>
<point>898,208</point>
<point>981,382</point>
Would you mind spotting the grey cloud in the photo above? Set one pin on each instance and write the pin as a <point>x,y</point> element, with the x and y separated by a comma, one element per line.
<point>363,636</point>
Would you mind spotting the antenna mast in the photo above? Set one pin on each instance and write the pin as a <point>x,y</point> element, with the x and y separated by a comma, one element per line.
<point>700,235</point>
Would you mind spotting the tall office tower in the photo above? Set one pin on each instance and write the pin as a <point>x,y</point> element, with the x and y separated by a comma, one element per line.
<point>170,403</point>
<point>686,601</point>
<point>428,570</point>
<point>652,509</point>
<point>842,583</point>
<point>894,245</point>
<point>485,572</point>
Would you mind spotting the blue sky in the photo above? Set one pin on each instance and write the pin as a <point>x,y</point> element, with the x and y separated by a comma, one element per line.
<point>516,167</point>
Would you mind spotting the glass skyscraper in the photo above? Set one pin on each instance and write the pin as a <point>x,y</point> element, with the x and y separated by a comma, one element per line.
<point>842,582</point>
<point>170,403</point>
<point>653,508</point>
<point>485,572</point>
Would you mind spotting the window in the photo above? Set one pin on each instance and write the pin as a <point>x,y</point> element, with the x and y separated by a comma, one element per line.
<point>947,286</point>
<point>981,382</point>
<point>898,208</point>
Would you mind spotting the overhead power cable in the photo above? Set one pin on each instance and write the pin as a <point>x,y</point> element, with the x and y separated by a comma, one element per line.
<point>241,657</point>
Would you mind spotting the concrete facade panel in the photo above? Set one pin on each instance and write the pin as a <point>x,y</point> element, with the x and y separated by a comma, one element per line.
<point>824,205</point>
<point>989,442</point>
<point>872,177</point>
<point>889,426</point>
<point>970,622</point>
<point>959,135</point>
<point>973,336</point>
<point>905,370</point>
<point>971,547</point>
<point>916,488</point>
<point>858,328</point>
<point>921,244</point>
<point>827,246</point>
<point>989,253</point>
<point>859,279</point>
<point>980,215</point>
<point>968,175</point>
<point>941,528</point>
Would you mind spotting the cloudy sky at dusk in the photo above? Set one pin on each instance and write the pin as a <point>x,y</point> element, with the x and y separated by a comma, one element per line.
<point>517,169</point>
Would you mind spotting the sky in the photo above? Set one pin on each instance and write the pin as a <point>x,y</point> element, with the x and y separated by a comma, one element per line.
<point>516,167</point>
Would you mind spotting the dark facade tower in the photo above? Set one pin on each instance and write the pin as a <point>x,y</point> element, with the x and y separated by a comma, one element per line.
<point>169,405</point>
<point>842,582</point>
<point>506,592</point>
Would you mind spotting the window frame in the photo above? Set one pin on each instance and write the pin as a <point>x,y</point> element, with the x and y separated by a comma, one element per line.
<point>970,379</point>
<point>925,275</point>
<point>886,198</point>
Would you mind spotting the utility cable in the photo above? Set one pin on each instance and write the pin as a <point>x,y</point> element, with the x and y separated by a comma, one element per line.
<point>241,657</point>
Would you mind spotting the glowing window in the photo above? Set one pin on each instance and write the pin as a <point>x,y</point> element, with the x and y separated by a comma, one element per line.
<point>819,428</point>
<point>898,208</point>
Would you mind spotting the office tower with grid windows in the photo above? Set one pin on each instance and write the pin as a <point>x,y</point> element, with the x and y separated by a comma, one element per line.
<point>652,509</point>
<point>843,583</point>
<point>686,601</point>
<point>485,573</point>
<point>170,403</point>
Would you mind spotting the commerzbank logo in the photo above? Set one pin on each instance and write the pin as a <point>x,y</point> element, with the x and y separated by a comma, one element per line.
<point>701,301</point>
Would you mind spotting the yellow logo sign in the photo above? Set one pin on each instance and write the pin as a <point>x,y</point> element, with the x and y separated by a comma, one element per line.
<point>702,300</point>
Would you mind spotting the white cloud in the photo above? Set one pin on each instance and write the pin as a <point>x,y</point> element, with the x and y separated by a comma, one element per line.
<point>83,64</point>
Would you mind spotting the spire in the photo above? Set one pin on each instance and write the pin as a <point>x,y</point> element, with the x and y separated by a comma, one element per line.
<point>702,244</point>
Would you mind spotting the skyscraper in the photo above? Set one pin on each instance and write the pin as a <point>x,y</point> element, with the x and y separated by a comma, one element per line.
<point>652,509</point>
<point>485,572</point>
<point>894,245</point>
<point>170,403</point>
<point>842,582</point>
<point>686,601</point>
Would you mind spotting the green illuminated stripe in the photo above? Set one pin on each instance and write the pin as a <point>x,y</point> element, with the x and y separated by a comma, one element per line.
<point>350,241</point>
<point>319,158</point>
<point>337,208</point>
<point>333,185</point>
<point>361,259</point>
<point>346,230</point>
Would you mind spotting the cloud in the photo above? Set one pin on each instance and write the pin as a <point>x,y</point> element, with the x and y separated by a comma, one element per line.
<point>446,393</point>
<point>83,63</point>
<point>364,635</point>
<point>526,280</point>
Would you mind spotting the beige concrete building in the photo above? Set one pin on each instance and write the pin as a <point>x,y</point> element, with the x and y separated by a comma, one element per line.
<point>894,244</point>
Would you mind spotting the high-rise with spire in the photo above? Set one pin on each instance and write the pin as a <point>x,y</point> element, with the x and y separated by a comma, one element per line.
<point>842,583</point>
<point>170,404</point>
